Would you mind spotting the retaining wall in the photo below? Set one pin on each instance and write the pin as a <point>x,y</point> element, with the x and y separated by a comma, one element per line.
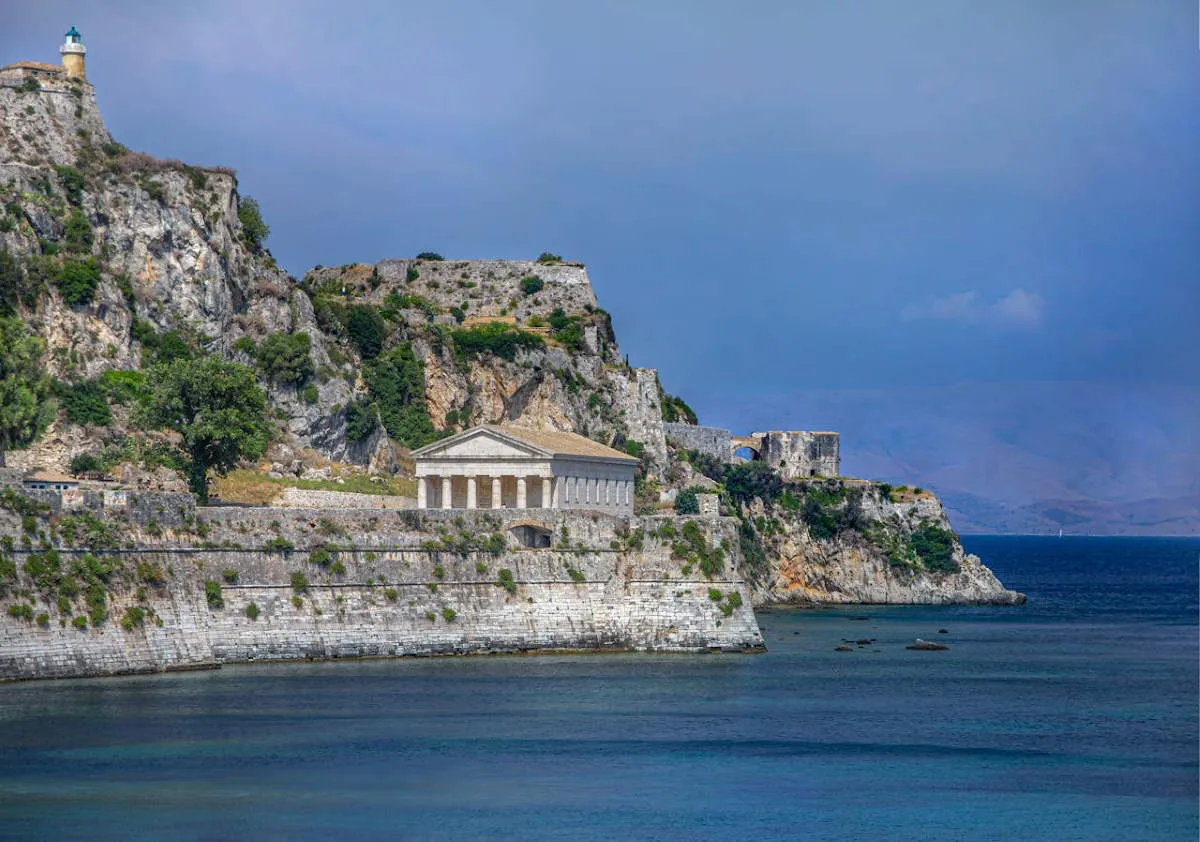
<point>380,602</point>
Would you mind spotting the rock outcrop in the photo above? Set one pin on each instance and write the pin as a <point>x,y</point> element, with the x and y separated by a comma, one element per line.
<point>178,255</point>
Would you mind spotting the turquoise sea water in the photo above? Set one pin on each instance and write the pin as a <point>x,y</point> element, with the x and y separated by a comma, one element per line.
<point>1072,717</point>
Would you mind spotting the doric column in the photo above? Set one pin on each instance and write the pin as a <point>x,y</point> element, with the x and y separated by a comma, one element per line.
<point>545,492</point>
<point>471,493</point>
<point>521,501</point>
<point>496,500</point>
<point>422,493</point>
<point>447,491</point>
<point>555,490</point>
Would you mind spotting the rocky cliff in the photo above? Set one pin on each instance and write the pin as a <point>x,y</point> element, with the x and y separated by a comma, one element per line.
<point>834,542</point>
<point>118,260</point>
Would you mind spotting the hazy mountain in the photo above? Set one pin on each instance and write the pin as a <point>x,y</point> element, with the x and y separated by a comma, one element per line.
<point>1089,457</point>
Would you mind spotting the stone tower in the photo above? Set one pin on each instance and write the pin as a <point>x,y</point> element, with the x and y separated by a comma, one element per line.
<point>73,52</point>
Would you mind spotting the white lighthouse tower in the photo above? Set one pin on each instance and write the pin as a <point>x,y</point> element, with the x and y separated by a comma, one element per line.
<point>73,53</point>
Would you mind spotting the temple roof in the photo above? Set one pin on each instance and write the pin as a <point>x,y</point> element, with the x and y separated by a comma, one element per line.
<point>548,442</point>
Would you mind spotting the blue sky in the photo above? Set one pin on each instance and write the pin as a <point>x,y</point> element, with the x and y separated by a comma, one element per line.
<point>773,198</point>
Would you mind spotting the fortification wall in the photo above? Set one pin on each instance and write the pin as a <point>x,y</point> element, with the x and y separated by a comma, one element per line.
<point>712,441</point>
<point>311,498</point>
<point>387,601</point>
<point>799,453</point>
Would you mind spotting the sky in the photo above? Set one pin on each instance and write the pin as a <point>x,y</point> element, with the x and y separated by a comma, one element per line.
<point>773,198</point>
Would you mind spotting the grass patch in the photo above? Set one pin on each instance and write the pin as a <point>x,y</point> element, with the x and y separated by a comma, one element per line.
<point>257,489</point>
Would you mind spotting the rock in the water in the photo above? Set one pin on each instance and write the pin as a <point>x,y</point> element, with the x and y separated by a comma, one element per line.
<point>843,649</point>
<point>943,631</point>
<point>926,645</point>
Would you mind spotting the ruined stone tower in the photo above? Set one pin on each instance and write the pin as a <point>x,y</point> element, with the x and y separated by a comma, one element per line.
<point>73,53</point>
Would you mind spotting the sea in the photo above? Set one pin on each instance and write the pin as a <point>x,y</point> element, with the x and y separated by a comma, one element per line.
<point>1072,717</point>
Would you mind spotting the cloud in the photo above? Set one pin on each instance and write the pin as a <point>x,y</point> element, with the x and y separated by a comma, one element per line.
<point>1017,309</point>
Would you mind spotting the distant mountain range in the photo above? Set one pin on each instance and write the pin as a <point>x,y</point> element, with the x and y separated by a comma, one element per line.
<point>1086,457</point>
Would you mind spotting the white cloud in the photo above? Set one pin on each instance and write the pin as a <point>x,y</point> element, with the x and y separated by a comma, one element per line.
<point>1018,308</point>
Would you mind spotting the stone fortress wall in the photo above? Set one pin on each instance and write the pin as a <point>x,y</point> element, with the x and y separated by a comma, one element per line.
<point>607,584</point>
<point>793,453</point>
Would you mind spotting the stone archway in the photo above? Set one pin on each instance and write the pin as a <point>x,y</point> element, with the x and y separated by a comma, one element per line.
<point>750,443</point>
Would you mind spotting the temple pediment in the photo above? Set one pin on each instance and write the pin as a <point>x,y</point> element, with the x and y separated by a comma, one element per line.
<point>481,442</point>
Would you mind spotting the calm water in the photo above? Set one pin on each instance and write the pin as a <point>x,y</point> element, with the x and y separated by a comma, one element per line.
<point>1073,717</point>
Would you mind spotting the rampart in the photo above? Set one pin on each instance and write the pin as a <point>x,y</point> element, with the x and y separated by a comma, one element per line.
<point>278,584</point>
<point>711,441</point>
<point>793,453</point>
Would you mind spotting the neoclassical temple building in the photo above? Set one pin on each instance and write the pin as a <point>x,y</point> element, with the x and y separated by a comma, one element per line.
<point>494,467</point>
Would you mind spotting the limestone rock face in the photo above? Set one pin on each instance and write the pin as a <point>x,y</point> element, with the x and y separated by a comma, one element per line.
<point>170,248</point>
<point>853,567</point>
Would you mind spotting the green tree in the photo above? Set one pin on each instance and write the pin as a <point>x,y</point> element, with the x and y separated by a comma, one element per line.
<point>24,391</point>
<point>285,358</point>
<point>397,383</point>
<point>367,329</point>
<point>216,407</point>
<point>85,402</point>
<point>253,228</point>
<point>78,279</point>
<point>10,282</point>
<point>748,480</point>
<point>686,503</point>
<point>78,234</point>
<point>72,182</point>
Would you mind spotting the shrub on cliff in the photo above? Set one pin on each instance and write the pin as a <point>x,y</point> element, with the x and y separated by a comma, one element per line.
<point>748,480</point>
<point>84,403</point>
<point>686,503</point>
<point>495,338</point>
<point>217,408</point>
<point>77,280</point>
<point>78,232</point>
<point>531,284</point>
<point>254,230</point>
<point>25,408</point>
<point>935,546</point>
<point>547,257</point>
<point>84,463</point>
<point>367,329</point>
<point>362,417</point>
<point>11,282</point>
<point>285,358</point>
<point>429,255</point>
<point>397,384</point>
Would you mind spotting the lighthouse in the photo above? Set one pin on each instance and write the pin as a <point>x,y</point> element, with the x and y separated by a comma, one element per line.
<point>73,53</point>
